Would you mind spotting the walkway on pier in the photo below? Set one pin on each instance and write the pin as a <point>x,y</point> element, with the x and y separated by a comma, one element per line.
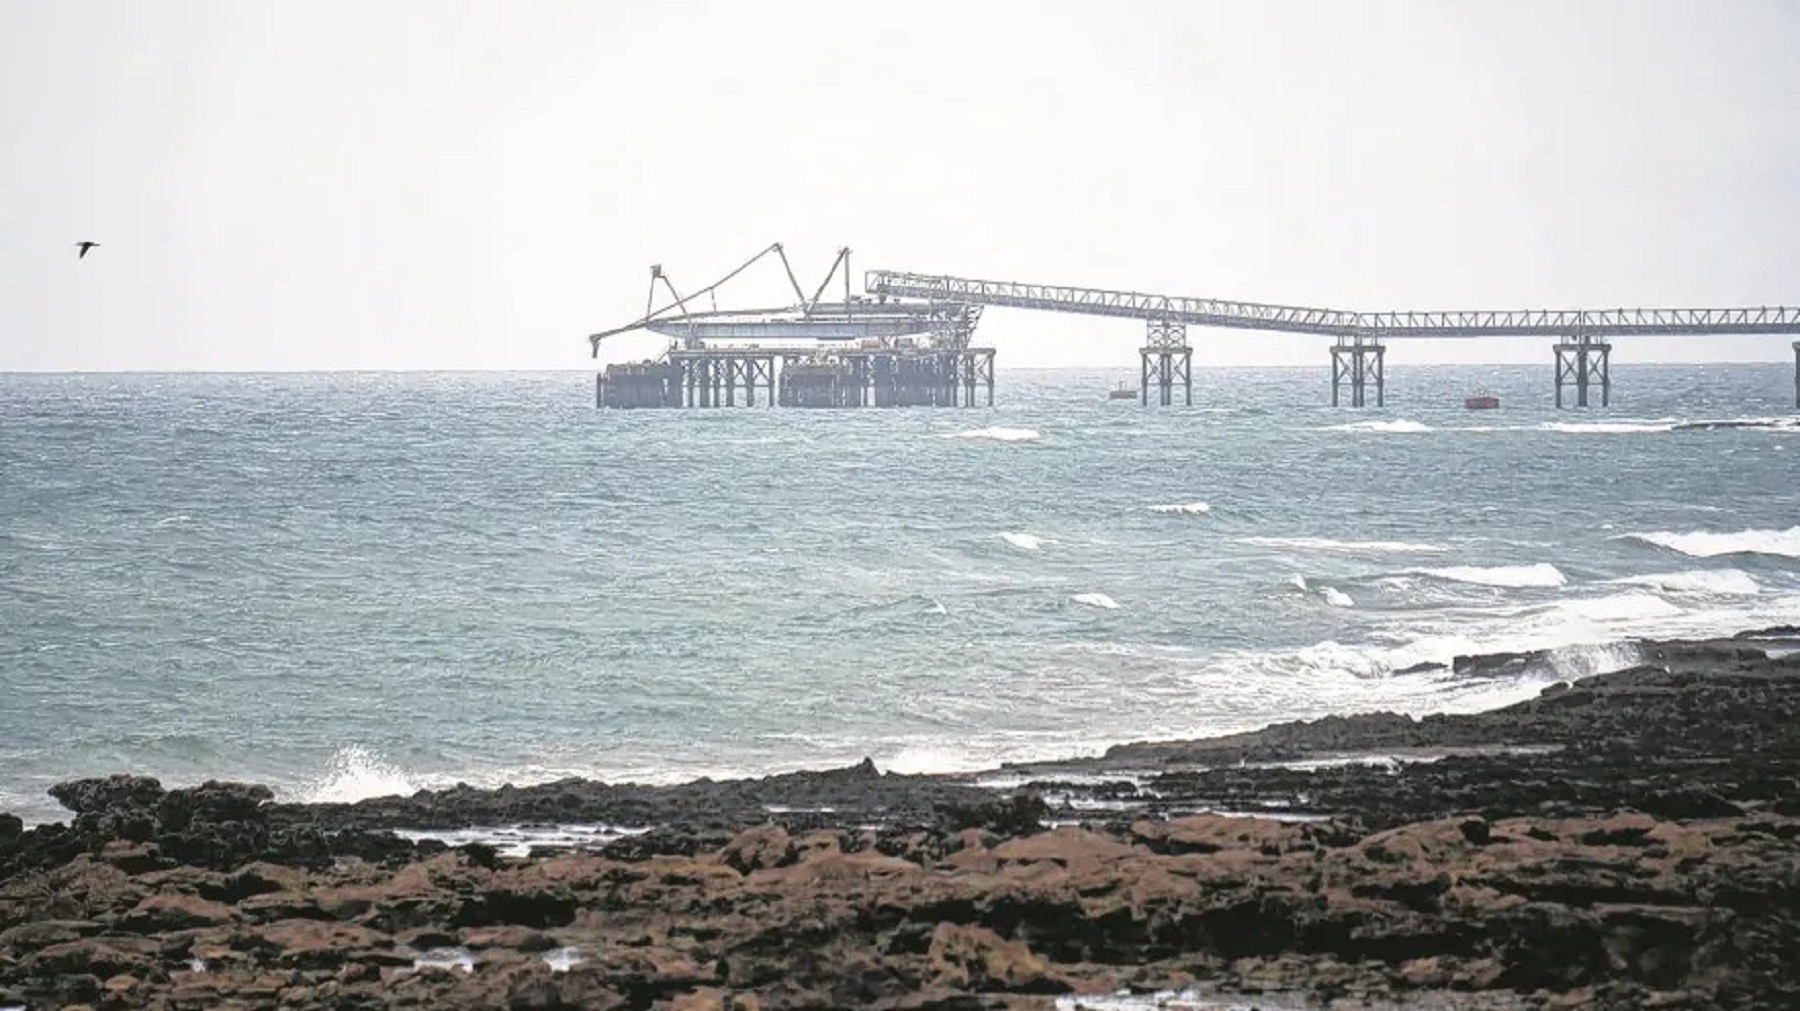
<point>1578,323</point>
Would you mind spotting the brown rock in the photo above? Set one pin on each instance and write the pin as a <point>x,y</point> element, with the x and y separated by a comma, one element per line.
<point>135,857</point>
<point>976,958</point>
<point>1208,833</point>
<point>43,933</point>
<point>101,957</point>
<point>160,913</point>
<point>759,848</point>
<point>318,944</point>
<point>1077,850</point>
<point>508,936</point>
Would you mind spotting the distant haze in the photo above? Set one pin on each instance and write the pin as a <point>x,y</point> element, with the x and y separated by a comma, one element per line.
<point>325,185</point>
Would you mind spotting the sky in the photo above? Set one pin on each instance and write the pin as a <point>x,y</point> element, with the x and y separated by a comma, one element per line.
<point>456,185</point>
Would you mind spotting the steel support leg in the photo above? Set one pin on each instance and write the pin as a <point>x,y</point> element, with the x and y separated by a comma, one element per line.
<point>1166,359</point>
<point>1357,363</point>
<point>1583,363</point>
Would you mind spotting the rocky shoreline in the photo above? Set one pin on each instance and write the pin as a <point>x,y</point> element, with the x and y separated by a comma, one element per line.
<point>1630,839</point>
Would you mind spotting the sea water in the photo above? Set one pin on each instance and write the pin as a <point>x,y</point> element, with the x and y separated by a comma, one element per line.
<point>345,585</point>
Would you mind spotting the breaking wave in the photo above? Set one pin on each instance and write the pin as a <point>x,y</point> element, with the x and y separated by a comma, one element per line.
<point>1099,600</point>
<point>1185,509</point>
<point>1715,582</point>
<point>998,433</point>
<point>355,773</point>
<point>1707,544</point>
<point>1336,597</point>
<point>1540,574</point>
<point>1024,542</point>
<point>1327,544</point>
<point>1398,426</point>
<point>1608,427</point>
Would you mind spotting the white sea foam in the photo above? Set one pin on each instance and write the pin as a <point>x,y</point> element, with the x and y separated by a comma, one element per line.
<point>1397,426</point>
<point>1540,574</point>
<point>1336,597</point>
<point>355,773</point>
<point>520,840</point>
<point>1184,509</point>
<point>1328,544</point>
<point>1298,582</point>
<point>1609,427</point>
<point>1706,582</point>
<point>1099,600</point>
<point>998,433</point>
<point>1708,544</point>
<point>563,959</point>
<point>1022,541</point>
<point>1161,1000</point>
<point>445,958</point>
<point>1622,607</point>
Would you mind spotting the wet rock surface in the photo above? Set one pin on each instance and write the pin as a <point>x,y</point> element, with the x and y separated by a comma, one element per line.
<point>1625,840</point>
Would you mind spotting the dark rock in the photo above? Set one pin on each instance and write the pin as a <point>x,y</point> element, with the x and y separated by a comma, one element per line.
<point>482,855</point>
<point>1476,831</point>
<point>107,793</point>
<point>212,802</point>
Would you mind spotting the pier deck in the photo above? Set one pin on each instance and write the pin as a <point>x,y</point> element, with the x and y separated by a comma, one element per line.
<point>907,341</point>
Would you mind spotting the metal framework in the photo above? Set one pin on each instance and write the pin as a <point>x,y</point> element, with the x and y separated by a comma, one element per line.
<point>1166,359</point>
<point>855,318</point>
<point>1581,364</point>
<point>1564,323</point>
<point>1354,363</point>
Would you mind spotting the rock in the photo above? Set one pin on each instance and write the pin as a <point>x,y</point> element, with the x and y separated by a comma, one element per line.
<point>94,956</point>
<point>212,802</point>
<point>509,937</point>
<point>160,913</point>
<point>311,944</point>
<point>44,933</point>
<point>11,828</point>
<point>976,958</point>
<point>107,793</point>
<point>135,857</point>
<point>537,907</point>
<point>1476,831</point>
<point>759,848</point>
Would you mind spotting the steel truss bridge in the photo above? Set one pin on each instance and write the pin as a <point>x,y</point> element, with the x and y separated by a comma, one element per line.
<point>1358,358</point>
<point>912,315</point>
<point>1213,312</point>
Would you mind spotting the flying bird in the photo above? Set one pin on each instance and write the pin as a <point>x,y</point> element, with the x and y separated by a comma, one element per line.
<point>84,247</point>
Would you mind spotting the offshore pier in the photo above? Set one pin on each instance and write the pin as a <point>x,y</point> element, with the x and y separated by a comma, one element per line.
<point>861,351</point>
<point>907,340</point>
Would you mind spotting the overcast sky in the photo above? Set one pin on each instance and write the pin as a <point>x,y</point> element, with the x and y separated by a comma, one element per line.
<point>325,184</point>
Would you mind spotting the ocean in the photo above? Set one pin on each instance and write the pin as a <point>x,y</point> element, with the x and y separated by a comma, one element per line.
<point>344,585</point>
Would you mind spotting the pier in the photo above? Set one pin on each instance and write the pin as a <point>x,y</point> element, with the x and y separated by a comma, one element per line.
<point>907,341</point>
<point>849,353</point>
<point>1582,348</point>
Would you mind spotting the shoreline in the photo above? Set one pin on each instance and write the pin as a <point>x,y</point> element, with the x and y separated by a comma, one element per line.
<point>1602,843</point>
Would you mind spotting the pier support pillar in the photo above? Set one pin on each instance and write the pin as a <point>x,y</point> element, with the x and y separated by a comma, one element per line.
<point>1582,362</point>
<point>1797,375</point>
<point>1165,360</point>
<point>638,385</point>
<point>976,368</point>
<point>1356,362</point>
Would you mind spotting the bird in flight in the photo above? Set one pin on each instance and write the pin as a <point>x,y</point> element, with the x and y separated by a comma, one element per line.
<point>84,247</point>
